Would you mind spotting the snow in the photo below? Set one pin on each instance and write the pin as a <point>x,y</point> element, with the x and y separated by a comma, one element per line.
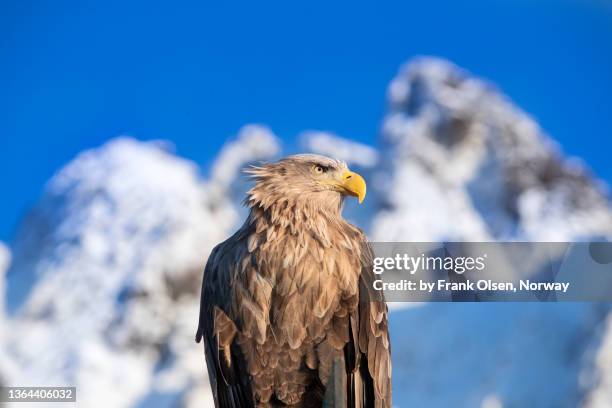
<point>475,167</point>
<point>103,289</point>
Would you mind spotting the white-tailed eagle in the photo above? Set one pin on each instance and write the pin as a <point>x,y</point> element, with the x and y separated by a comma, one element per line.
<point>288,313</point>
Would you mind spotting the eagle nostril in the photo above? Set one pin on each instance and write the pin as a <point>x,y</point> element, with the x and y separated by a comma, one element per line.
<point>348,177</point>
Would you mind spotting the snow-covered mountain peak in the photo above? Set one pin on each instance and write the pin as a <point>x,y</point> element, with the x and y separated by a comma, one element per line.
<point>485,168</point>
<point>432,80</point>
<point>120,234</point>
<point>110,208</point>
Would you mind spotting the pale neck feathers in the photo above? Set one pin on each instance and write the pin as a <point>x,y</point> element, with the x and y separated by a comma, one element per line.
<point>275,203</point>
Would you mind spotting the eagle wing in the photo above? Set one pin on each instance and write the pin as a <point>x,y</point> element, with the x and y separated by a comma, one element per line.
<point>225,362</point>
<point>368,352</point>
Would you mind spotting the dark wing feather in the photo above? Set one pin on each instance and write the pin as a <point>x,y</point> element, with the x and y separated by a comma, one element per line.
<point>368,352</point>
<point>226,365</point>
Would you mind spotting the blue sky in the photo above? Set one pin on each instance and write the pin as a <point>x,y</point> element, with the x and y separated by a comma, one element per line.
<point>74,74</point>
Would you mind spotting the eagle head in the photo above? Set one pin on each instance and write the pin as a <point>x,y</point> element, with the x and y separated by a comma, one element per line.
<point>305,177</point>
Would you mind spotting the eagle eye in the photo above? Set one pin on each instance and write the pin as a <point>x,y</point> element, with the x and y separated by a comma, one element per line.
<point>320,169</point>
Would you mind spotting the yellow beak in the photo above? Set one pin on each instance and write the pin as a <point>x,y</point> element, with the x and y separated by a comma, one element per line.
<point>354,185</point>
